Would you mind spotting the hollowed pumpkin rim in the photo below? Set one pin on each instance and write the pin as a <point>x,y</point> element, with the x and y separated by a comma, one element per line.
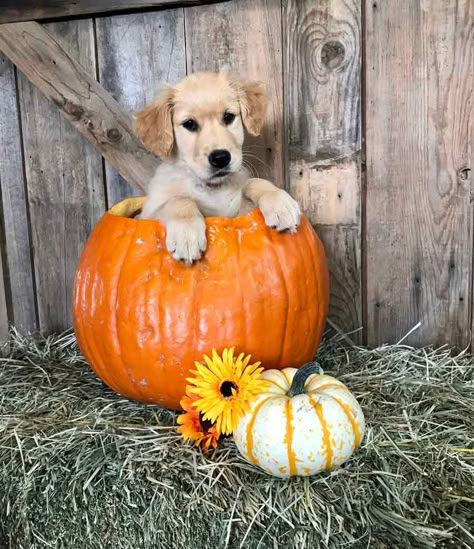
<point>130,207</point>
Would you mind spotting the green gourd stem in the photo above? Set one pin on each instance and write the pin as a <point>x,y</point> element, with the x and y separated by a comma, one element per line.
<point>298,383</point>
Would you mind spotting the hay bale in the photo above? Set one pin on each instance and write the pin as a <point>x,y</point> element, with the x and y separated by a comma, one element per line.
<point>83,467</point>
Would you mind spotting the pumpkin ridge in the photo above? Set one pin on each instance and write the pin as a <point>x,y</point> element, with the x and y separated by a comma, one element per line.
<point>95,353</point>
<point>101,255</point>
<point>155,319</point>
<point>196,313</point>
<point>81,294</point>
<point>328,385</point>
<point>351,418</point>
<point>324,426</point>
<point>304,296</point>
<point>249,433</point>
<point>276,384</point>
<point>284,379</point>
<point>243,321</point>
<point>282,278</point>
<point>120,268</point>
<point>315,246</point>
<point>289,438</point>
<point>288,380</point>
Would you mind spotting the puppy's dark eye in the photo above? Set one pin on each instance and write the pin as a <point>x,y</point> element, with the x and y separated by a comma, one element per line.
<point>229,117</point>
<point>191,125</point>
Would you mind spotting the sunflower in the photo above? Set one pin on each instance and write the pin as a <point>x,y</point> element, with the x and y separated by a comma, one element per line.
<point>225,386</point>
<point>192,426</point>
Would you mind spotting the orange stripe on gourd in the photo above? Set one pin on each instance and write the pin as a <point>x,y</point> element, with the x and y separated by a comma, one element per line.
<point>250,427</point>
<point>289,438</point>
<point>326,434</point>
<point>350,417</point>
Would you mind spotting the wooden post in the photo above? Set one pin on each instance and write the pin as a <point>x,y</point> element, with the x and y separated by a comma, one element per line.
<point>86,104</point>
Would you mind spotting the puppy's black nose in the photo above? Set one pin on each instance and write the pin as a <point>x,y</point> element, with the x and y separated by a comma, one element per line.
<point>220,158</point>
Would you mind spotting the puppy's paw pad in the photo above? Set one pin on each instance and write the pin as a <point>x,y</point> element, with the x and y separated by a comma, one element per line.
<point>280,211</point>
<point>186,240</point>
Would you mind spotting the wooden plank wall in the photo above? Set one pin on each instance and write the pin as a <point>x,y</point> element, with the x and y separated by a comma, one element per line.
<point>18,267</point>
<point>369,127</point>
<point>419,135</point>
<point>64,184</point>
<point>133,78</point>
<point>323,56</point>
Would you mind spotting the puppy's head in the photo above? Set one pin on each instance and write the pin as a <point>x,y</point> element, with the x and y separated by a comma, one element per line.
<point>201,121</point>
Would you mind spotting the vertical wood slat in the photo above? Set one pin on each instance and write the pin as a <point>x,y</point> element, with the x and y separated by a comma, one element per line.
<point>137,53</point>
<point>18,271</point>
<point>64,182</point>
<point>322,80</point>
<point>246,35</point>
<point>419,107</point>
<point>3,304</point>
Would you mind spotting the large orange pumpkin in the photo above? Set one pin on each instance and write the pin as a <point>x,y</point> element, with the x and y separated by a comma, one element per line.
<point>142,318</point>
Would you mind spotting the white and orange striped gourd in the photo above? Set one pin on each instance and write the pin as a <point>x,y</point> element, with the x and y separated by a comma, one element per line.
<point>303,424</point>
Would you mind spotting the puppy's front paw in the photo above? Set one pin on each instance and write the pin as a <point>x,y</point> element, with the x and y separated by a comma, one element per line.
<point>186,240</point>
<point>280,210</point>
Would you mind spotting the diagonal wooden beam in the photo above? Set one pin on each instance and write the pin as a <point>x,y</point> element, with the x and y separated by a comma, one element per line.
<point>28,10</point>
<point>84,102</point>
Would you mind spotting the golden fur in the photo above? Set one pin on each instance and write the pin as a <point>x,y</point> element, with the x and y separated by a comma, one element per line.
<point>187,125</point>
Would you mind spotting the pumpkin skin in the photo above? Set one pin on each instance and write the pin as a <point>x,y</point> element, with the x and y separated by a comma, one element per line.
<point>304,434</point>
<point>142,318</point>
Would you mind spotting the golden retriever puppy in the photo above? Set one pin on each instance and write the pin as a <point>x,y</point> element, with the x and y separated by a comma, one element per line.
<point>197,129</point>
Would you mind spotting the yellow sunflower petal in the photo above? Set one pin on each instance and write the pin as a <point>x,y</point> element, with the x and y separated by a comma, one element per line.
<point>223,407</point>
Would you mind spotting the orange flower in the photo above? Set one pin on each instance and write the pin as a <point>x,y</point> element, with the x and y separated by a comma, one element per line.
<point>192,426</point>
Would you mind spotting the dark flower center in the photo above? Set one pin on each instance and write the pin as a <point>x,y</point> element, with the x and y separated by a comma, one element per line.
<point>226,388</point>
<point>206,424</point>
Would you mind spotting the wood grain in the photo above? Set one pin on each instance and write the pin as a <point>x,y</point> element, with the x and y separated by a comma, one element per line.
<point>419,107</point>
<point>28,10</point>
<point>18,271</point>
<point>322,82</point>
<point>3,304</point>
<point>82,100</point>
<point>246,36</point>
<point>134,79</point>
<point>65,184</point>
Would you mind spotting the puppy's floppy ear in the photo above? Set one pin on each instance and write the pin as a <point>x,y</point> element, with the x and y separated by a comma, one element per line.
<point>154,124</point>
<point>253,105</point>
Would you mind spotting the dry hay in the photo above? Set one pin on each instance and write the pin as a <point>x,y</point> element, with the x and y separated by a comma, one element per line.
<point>82,467</point>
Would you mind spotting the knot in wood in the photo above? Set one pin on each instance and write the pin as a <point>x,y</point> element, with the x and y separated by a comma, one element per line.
<point>73,110</point>
<point>464,174</point>
<point>332,54</point>
<point>113,135</point>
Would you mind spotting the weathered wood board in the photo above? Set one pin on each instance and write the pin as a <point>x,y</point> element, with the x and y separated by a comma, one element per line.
<point>64,182</point>
<point>3,304</point>
<point>27,10</point>
<point>419,124</point>
<point>18,265</point>
<point>85,103</point>
<point>323,97</point>
<point>245,36</point>
<point>134,79</point>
